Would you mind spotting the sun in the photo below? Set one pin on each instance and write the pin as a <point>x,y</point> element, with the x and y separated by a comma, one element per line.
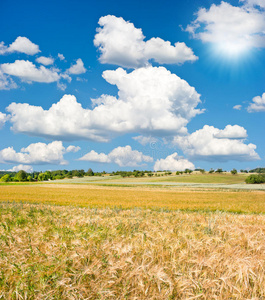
<point>232,49</point>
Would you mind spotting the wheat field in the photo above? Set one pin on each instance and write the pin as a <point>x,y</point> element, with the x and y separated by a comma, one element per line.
<point>66,252</point>
<point>126,197</point>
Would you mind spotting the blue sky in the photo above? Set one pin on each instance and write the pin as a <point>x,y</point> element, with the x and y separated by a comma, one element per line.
<point>132,85</point>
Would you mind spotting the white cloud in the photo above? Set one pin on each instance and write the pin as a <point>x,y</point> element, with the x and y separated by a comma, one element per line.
<point>22,45</point>
<point>251,3</point>
<point>144,140</point>
<point>3,119</point>
<point>61,56</point>
<point>120,43</point>
<point>122,156</point>
<point>38,153</point>
<point>232,28</point>
<point>173,162</point>
<point>77,68</point>
<point>25,168</point>
<point>231,132</point>
<point>237,107</point>
<point>6,83</point>
<point>73,149</point>
<point>28,72</point>
<point>152,101</point>
<point>45,60</point>
<point>96,157</point>
<point>258,104</point>
<point>211,143</point>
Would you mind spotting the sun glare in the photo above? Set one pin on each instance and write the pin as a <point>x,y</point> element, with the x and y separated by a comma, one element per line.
<point>232,49</point>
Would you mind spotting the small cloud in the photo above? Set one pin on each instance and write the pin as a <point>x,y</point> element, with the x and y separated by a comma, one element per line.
<point>61,56</point>
<point>28,72</point>
<point>81,79</point>
<point>26,168</point>
<point>258,104</point>
<point>22,45</point>
<point>77,68</point>
<point>73,149</point>
<point>173,162</point>
<point>237,107</point>
<point>45,60</point>
<point>122,156</point>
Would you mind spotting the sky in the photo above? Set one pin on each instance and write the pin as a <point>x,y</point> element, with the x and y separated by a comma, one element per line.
<point>124,85</point>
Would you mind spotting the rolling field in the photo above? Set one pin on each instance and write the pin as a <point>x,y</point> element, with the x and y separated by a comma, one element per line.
<point>85,241</point>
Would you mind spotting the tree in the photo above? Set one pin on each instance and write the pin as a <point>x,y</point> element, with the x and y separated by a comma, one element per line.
<point>211,171</point>
<point>21,176</point>
<point>29,178</point>
<point>255,179</point>
<point>6,178</point>
<point>90,172</point>
<point>219,171</point>
<point>234,172</point>
<point>202,171</point>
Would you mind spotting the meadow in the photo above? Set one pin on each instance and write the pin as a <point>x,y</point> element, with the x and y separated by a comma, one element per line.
<point>90,241</point>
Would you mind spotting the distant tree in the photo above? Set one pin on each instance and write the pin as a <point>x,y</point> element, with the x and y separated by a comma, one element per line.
<point>202,171</point>
<point>234,172</point>
<point>90,172</point>
<point>219,171</point>
<point>21,176</point>
<point>42,177</point>
<point>29,178</point>
<point>211,171</point>
<point>252,179</point>
<point>6,178</point>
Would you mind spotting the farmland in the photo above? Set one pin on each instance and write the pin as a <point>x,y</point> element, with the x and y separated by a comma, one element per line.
<point>93,239</point>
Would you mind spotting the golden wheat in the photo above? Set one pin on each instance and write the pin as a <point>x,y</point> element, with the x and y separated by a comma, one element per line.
<point>92,196</point>
<point>56,252</point>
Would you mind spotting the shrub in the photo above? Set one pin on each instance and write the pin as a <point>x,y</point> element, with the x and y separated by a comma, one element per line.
<point>255,179</point>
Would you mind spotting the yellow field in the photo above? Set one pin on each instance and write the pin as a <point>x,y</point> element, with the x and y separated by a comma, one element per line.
<point>154,198</point>
<point>64,252</point>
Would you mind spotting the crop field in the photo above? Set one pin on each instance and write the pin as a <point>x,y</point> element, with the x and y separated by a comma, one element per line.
<point>85,241</point>
<point>66,252</point>
<point>124,197</point>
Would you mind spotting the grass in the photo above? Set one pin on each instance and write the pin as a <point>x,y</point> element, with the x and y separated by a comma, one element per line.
<point>225,178</point>
<point>55,252</point>
<point>172,199</point>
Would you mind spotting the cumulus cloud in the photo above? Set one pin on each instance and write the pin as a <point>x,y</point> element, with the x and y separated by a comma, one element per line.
<point>45,60</point>
<point>120,43</point>
<point>22,45</point>
<point>122,156</point>
<point>77,68</point>
<point>258,104</point>
<point>28,72</point>
<point>231,27</point>
<point>237,107</point>
<point>3,119</point>
<point>6,83</point>
<point>152,101</point>
<point>173,162</point>
<point>73,149</point>
<point>210,143</point>
<point>25,168</point>
<point>231,132</point>
<point>36,154</point>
